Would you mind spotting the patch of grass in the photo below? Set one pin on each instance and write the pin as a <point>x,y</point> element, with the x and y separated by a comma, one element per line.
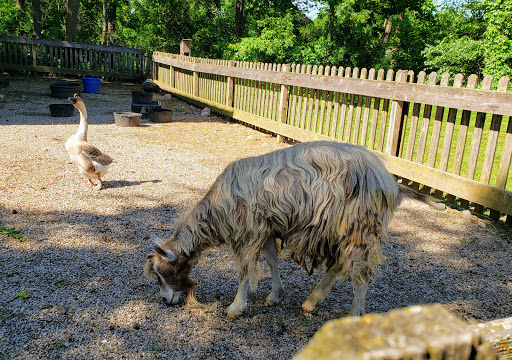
<point>58,345</point>
<point>154,346</point>
<point>22,295</point>
<point>12,232</point>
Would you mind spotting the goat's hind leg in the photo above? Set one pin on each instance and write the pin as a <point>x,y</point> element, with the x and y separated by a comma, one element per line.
<point>270,252</point>
<point>320,291</point>
<point>359,288</point>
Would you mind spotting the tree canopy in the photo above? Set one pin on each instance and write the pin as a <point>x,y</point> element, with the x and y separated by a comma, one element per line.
<point>466,36</point>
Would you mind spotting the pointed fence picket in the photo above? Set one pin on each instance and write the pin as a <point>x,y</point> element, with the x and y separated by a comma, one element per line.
<point>451,137</point>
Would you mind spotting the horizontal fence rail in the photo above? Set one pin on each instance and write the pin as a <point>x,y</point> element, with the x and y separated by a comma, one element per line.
<point>61,57</point>
<point>453,136</point>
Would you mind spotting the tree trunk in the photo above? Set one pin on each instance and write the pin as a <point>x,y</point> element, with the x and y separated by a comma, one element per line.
<point>71,19</point>
<point>239,18</point>
<point>388,26</point>
<point>112,15</point>
<point>331,22</point>
<point>36,18</point>
<point>105,22</point>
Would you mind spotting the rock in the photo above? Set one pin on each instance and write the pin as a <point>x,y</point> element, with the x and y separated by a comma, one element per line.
<point>166,101</point>
<point>252,138</point>
<point>206,112</point>
<point>1,96</point>
<point>482,224</point>
<point>466,215</point>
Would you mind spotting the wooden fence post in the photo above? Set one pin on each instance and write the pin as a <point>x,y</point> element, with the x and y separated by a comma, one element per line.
<point>195,83</point>
<point>230,85</point>
<point>172,77</point>
<point>185,47</point>
<point>395,118</point>
<point>283,103</point>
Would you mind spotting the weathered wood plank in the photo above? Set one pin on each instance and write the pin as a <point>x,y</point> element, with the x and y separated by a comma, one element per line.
<point>443,96</point>
<point>438,123</point>
<point>505,159</point>
<point>463,131</point>
<point>336,110</point>
<point>366,116</point>
<point>351,106</point>
<point>359,110</point>
<point>283,103</point>
<point>384,114</point>
<point>450,128</point>
<point>395,118</point>
<point>414,121</point>
<point>477,134</point>
<point>375,114</point>
<point>492,140</point>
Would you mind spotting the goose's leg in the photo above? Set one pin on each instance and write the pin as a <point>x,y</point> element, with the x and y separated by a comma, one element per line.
<point>98,184</point>
<point>89,183</point>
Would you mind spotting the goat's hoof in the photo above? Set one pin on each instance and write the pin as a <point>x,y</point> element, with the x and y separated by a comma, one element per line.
<point>270,302</point>
<point>307,308</point>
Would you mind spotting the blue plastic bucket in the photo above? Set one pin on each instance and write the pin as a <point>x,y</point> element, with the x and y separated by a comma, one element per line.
<point>91,85</point>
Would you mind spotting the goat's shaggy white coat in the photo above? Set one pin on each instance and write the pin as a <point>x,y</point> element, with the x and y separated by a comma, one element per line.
<point>329,204</point>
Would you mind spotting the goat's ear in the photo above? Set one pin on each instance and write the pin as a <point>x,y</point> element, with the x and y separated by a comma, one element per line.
<point>166,254</point>
<point>157,240</point>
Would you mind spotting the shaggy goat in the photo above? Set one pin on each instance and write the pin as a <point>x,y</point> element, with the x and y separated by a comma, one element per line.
<point>329,204</point>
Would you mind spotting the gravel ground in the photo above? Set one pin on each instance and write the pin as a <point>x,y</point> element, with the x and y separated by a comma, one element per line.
<point>73,288</point>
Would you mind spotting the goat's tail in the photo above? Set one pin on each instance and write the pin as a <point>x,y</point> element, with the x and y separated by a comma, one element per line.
<point>407,192</point>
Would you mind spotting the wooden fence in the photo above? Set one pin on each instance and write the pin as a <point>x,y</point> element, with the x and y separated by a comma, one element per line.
<point>453,137</point>
<point>61,57</point>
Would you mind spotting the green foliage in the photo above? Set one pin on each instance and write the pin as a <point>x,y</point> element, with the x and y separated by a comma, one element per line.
<point>462,55</point>
<point>275,41</point>
<point>498,38</point>
<point>8,18</point>
<point>466,36</point>
<point>12,232</point>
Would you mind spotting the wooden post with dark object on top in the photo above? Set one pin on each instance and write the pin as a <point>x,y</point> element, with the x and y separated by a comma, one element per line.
<point>185,47</point>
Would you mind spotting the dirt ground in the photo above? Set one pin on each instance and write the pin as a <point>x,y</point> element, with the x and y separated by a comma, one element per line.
<point>71,282</point>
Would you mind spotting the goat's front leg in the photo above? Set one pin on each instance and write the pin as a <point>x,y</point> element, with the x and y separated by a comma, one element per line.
<point>270,252</point>
<point>240,302</point>
<point>320,291</point>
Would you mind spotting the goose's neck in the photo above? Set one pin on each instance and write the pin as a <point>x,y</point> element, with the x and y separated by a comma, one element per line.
<point>82,128</point>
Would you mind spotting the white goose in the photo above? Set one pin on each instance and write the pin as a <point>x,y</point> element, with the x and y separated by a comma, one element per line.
<point>91,162</point>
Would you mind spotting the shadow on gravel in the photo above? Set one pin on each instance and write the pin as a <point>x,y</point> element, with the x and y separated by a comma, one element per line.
<point>112,184</point>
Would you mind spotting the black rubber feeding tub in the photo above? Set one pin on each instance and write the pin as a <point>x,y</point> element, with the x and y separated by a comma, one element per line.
<point>62,110</point>
<point>142,97</point>
<point>65,89</point>
<point>160,115</point>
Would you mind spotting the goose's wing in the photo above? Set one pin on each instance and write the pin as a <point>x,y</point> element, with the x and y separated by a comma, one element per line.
<point>94,154</point>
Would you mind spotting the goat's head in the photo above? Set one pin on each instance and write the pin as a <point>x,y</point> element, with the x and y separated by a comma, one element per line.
<point>172,270</point>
